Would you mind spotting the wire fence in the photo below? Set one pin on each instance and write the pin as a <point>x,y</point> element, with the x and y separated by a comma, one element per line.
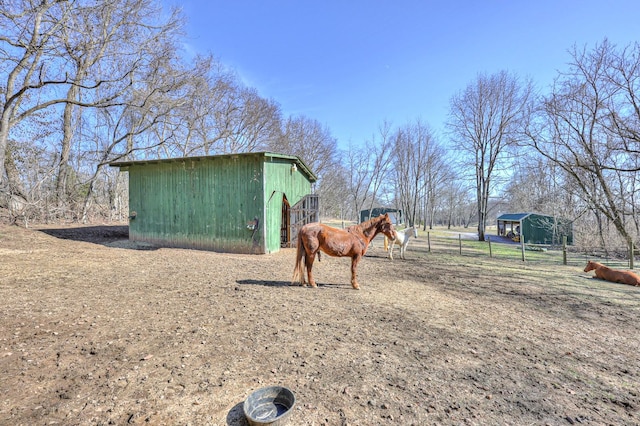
<point>503,248</point>
<point>453,242</point>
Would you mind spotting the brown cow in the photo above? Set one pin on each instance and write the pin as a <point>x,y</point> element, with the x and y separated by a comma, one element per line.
<point>613,275</point>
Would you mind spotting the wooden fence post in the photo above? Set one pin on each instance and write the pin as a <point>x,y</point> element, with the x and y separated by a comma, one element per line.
<point>489,240</point>
<point>564,249</point>
<point>429,242</point>
<point>631,255</point>
<point>460,242</point>
<point>522,245</point>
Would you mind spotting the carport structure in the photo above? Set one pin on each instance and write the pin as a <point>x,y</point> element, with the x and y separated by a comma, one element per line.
<point>536,228</point>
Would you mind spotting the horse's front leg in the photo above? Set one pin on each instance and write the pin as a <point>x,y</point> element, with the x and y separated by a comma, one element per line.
<point>393,243</point>
<point>354,265</point>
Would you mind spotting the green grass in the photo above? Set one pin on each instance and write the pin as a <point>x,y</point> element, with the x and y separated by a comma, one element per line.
<point>462,241</point>
<point>468,247</point>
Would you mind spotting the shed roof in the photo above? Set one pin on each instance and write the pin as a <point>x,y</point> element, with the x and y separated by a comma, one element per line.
<point>303,167</point>
<point>513,216</point>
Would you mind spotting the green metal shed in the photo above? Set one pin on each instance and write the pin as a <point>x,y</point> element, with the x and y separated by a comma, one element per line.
<point>234,203</point>
<point>536,228</point>
<point>395,214</point>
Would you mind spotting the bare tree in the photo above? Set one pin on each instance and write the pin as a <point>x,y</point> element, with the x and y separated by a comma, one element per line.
<point>588,127</point>
<point>381,157</point>
<point>127,129</point>
<point>26,45</point>
<point>455,203</point>
<point>368,170</point>
<point>313,143</point>
<point>359,178</point>
<point>104,39</point>
<point>308,139</point>
<point>332,189</point>
<point>417,170</point>
<point>248,123</point>
<point>485,121</point>
<point>78,56</point>
<point>437,174</point>
<point>539,185</point>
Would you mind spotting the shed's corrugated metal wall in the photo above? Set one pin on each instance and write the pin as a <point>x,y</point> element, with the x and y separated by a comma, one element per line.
<point>206,204</point>
<point>281,180</point>
<point>540,229</point>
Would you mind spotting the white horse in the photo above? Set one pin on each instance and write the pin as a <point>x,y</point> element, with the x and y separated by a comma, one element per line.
<point>402,239</point>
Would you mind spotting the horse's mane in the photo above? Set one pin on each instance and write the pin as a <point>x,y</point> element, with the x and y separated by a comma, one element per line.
<point>367,224</point>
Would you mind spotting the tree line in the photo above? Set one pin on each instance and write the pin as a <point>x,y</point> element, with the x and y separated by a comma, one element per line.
<point>87,82</point>
<point>84,83</point>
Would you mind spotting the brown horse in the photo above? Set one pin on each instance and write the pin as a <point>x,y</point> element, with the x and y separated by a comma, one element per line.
<point>352,241</point>
<point>613,275</point>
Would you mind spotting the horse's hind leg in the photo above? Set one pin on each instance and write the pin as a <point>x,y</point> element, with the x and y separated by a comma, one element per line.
<point>309,262</point>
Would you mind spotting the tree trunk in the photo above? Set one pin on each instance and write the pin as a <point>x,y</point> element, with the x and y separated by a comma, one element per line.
<point>65,147</point>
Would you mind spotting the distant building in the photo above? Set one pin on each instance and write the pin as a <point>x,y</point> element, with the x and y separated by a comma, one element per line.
<point>536,228</point>
<point>394,214</point>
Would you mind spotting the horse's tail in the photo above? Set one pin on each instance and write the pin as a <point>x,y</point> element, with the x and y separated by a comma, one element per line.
<point>386,243</point>
<point>298,270</point>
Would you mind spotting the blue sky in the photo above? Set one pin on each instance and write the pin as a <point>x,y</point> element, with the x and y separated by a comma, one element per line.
<point>351,65</point>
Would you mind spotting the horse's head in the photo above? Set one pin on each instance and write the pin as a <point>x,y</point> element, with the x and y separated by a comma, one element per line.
<point>415,231</point>
<point>386,227</point>
<point>591,266</point>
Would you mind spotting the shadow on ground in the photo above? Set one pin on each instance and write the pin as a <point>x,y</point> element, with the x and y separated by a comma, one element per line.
<point>269,283</point>
<point>90,234</point>
<point>115,236</point>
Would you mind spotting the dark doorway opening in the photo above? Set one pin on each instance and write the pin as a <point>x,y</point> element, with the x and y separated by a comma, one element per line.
<point>285,235</point>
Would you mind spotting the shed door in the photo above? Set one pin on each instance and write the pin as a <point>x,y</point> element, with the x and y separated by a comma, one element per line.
<point>285,236</point>
<point>305,211</point>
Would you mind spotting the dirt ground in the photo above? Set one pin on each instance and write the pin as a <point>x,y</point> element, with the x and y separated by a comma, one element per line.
<point>95,330</point>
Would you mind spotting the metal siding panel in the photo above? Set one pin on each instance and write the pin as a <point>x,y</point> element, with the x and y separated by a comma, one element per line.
<point>281,180</point>
<point>202,204</point>
<point>538,229</point>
